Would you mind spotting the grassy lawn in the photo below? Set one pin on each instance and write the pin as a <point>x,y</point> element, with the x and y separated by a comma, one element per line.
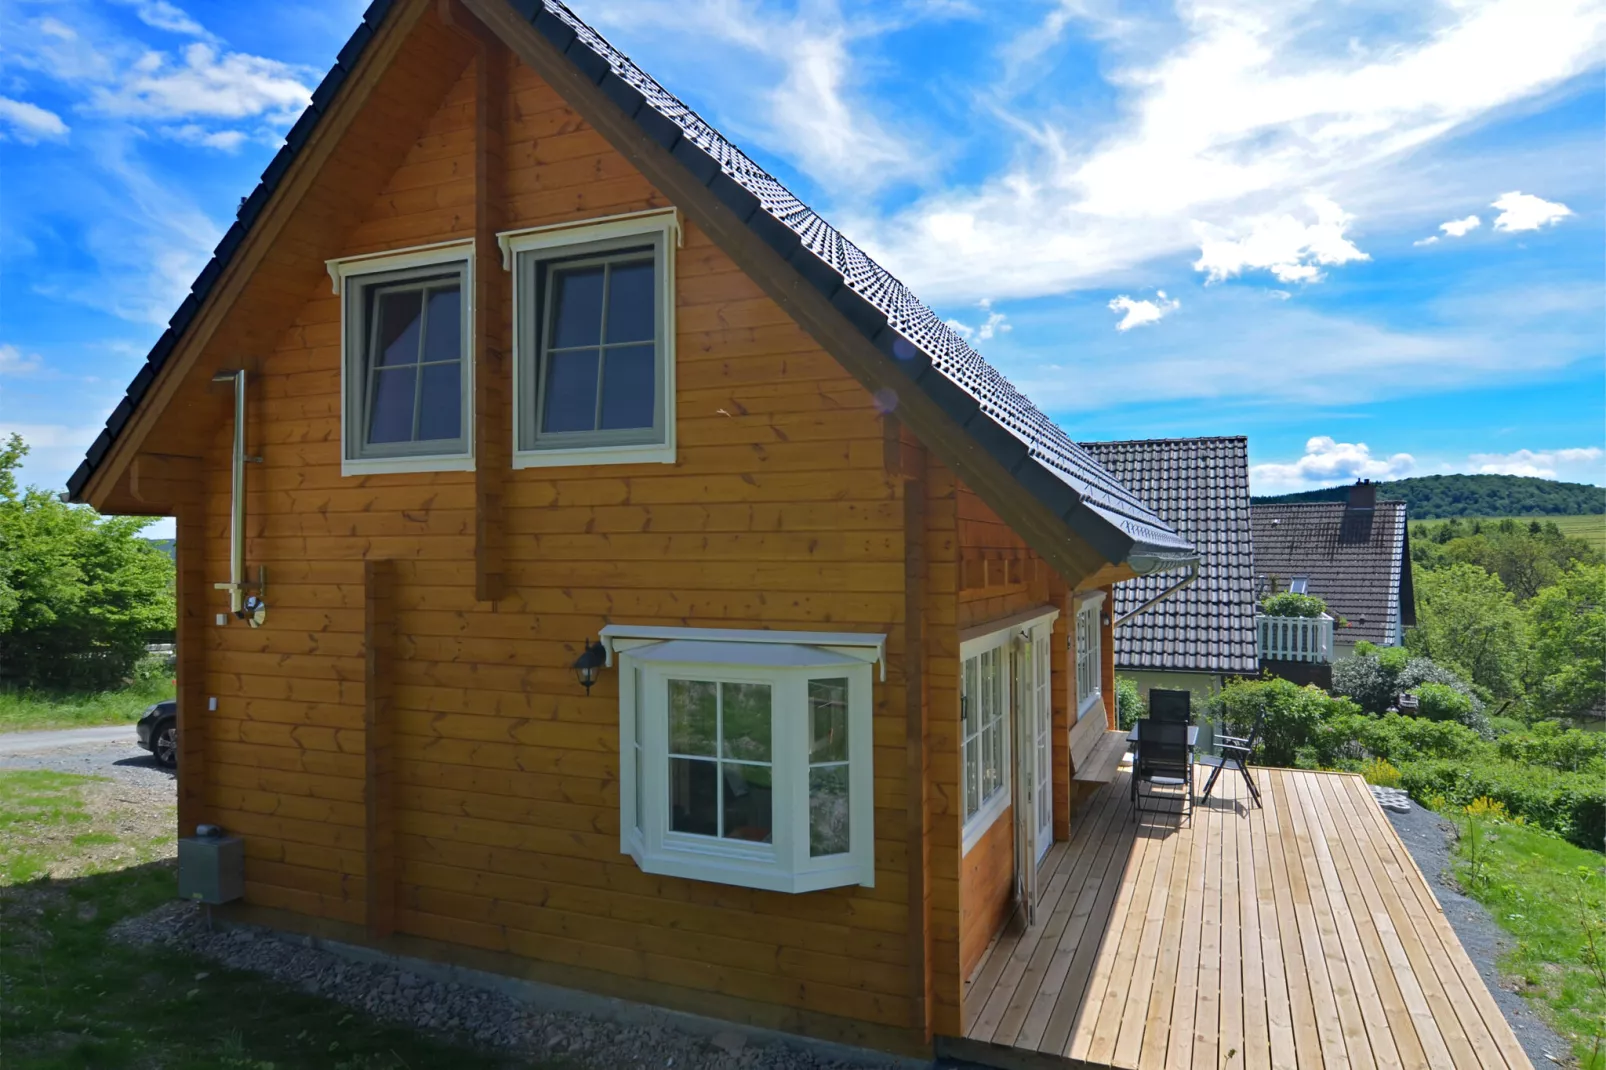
<point>49,709</point>
<point>75,999</point>
<point>1551,896</point>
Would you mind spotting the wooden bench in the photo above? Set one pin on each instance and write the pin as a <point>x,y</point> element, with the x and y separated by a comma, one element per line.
<point>1096,750</point>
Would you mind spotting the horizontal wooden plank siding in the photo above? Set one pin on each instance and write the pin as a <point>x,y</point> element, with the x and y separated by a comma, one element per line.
<point>501,831</point>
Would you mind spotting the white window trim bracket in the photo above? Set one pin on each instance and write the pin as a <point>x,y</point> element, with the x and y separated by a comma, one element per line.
<point>868,647</point>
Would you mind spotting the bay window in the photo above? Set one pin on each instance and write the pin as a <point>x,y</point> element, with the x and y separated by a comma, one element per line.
<point>747,761</point>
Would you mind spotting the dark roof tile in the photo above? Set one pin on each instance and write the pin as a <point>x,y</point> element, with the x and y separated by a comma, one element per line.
<point>1201,486</point>
<point>1355,560</point>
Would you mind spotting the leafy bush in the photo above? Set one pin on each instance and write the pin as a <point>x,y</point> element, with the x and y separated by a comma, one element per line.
<point>1348,739</point>
<point>1381,772</point>
<point>1441,702</point>
<point>80,594</point>
<point>1548,744</point>
<point>1289,604</point>
<point>1292,715</point>
<point>1375,676</point>
<point>1128,703</point>
<point>1502,726</point>
<point>1570,804</point>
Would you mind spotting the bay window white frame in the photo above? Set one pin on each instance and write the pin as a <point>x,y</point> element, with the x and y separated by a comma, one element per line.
<point>1088,633</point>
<point>349,276</point>
<point>996,635</point>
<point>646,665</point>
<point>522,254</point>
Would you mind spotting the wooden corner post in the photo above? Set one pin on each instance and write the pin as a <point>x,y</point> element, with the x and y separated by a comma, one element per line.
<point>493,436</point>
<point>379,840</point>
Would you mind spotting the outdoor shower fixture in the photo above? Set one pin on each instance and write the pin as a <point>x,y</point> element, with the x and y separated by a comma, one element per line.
<point>251,607</point>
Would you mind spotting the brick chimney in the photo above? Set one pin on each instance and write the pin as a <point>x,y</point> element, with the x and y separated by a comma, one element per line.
<point>1363,495</point>
<point>1358,512</point>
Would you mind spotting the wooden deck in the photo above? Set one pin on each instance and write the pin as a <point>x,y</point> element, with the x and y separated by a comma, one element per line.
<point>1300,934</point>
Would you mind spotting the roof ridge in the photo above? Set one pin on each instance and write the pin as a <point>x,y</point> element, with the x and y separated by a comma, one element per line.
<point>1147,441</point>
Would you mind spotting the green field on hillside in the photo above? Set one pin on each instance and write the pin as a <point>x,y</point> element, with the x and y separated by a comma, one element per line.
<point>1592,528</point>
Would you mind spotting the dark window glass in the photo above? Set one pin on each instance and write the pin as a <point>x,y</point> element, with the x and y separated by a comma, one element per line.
<point>694,796</point>
<point>445,340</point>
<point>440,402</point>
<point>414,362</point>
<point>576,307</point>
<point>571,391</point>
<point>631,303</point>
<point>398,327</point>
<point>391,418</point>
<point>629,387</point>
<point>749,802</point>
<point>600,352</point>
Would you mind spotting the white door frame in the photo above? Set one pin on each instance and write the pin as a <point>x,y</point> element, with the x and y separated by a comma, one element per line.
<point>1031,724</point>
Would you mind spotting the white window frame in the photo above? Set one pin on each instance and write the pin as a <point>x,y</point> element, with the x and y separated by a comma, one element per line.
<point>1088,632</point>
<point>521,251</point>
<point>995,635</point>
<point>645,667</point>
<point>342,269</point>
<point>1299,585</point>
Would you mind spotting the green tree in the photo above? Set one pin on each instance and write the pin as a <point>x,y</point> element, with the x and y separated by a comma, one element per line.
<point>80,594</point>
<point>1567,622</point>
<point>1468,622</point>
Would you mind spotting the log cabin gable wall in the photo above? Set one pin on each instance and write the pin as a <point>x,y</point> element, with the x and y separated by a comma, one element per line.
<point>498,833</point>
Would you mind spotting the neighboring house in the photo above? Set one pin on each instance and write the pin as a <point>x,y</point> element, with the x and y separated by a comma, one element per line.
<point>593,567</point>
<point>1196,637</point>
<point>1354,554</point>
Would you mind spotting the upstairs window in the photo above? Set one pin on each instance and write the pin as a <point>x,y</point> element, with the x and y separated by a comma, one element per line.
<point>594,340</point>
<point>1299,585</point>
<point>406,368</point>
<point>747,762</point>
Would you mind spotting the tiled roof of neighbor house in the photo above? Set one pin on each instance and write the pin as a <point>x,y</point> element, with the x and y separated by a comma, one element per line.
<point>1042,458</point>
<point>1200,486</point>
<point>1356,560</point>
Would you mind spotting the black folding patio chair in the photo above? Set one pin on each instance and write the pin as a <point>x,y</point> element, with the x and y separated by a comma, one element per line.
<point>1162,758</point>
<point>1235,751</point>
<point>1171,705</point>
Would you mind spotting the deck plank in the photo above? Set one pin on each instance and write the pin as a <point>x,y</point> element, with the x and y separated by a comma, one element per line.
<point>1294,934</point>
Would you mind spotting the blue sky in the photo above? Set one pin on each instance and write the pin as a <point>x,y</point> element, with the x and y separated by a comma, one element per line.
<point>1370,236</point>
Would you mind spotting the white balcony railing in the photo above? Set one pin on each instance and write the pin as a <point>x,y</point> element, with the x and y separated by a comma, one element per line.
<point>1295,638</point>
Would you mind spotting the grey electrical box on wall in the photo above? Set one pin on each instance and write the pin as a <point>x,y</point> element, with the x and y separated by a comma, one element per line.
<point>211,869</point>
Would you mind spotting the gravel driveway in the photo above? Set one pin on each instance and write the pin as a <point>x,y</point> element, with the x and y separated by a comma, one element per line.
<point>110,752</point>
<point>1429,838</point>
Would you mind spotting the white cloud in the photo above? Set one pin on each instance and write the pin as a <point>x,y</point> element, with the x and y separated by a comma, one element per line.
<point>29,123</point>
<point>54,450</point>
<point>14,362</point>
<point>1458,228</point>
<point>1281,244</point>
<point>1582,463</point>
<point>1139,313</point>
<point>995,323</point>
<point>812,114</point>
<point>1233,115</point>
<point>195,134</point>
<point>161,15</point>
<point>1524,211</point>
<point>1327,462</point>
<point>230,85</point>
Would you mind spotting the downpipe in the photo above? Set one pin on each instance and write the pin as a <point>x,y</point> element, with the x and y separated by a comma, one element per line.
<point>249,608</point>
<point>1193,574</point>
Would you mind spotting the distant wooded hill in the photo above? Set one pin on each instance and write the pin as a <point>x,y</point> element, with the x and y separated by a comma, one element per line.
<point>1440,497</point>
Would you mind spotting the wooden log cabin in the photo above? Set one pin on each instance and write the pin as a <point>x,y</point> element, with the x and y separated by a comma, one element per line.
<point>513,363</point>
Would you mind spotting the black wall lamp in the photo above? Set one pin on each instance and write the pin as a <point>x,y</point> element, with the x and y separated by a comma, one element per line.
<point>589,664</point>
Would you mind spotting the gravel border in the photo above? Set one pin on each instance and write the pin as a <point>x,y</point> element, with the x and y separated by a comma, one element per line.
<point>1429,839</point>
<point>487,1011</point>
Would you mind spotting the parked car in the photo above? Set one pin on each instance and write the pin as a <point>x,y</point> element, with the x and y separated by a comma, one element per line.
<point>158,732</point>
